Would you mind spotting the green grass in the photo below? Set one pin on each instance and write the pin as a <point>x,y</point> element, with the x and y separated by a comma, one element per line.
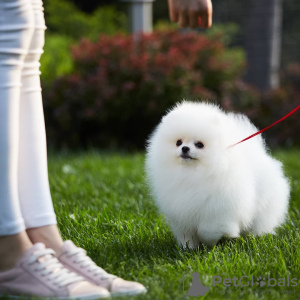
<point>103,205</point>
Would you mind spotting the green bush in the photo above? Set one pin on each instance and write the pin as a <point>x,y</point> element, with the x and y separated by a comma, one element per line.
<point>64,18</point>
<point>66,25</point>
<point>57,58</point>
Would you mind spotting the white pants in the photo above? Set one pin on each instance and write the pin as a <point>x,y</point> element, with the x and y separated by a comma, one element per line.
<point>25,199</point>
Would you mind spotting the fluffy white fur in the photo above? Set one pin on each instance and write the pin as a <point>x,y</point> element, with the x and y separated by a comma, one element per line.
<point>216,190</point>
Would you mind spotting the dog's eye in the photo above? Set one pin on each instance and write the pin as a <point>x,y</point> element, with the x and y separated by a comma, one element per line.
<point>178,143</point>
<point>199,145</point>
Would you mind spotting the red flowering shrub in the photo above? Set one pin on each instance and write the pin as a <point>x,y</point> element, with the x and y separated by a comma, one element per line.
<point>121,87</point>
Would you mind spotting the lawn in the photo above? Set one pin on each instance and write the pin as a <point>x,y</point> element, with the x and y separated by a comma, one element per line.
<point>103,205</point>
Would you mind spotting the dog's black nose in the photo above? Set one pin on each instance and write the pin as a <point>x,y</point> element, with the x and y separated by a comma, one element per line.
<point>185,149</point>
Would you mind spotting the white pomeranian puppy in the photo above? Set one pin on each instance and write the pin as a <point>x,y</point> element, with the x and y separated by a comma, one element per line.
<point>207,189</point>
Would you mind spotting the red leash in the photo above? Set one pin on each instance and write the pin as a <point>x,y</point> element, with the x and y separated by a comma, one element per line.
<point>251,136</point>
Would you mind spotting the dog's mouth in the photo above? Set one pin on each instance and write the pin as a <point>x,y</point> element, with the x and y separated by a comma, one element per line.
<point>187,157</point>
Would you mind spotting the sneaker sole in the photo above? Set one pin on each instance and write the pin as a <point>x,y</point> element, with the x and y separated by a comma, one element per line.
<point>129,293</point>
<point>92,297</point>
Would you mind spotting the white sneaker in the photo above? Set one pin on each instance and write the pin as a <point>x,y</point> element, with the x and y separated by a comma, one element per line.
<point>39,273</point>
<point>76,260</point>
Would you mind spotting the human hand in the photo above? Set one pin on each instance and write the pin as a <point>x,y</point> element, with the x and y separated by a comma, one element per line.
<point>191,13</point>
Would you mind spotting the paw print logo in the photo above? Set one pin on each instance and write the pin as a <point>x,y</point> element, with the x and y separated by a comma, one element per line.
<point>260,281</point>
<point>197,288</point>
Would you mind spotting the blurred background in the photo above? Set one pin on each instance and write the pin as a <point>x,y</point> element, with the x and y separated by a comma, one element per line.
<point>107,88</point>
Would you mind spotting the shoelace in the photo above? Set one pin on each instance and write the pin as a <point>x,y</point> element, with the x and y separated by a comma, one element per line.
<point>86,261</point>
<point>53,269</point>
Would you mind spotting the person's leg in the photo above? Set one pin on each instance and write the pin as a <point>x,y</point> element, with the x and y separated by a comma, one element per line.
<point>48,235</point>
<point>25,269</point>
<point>34,192</point>
<point>16,26</point>
<point>12,247</point>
